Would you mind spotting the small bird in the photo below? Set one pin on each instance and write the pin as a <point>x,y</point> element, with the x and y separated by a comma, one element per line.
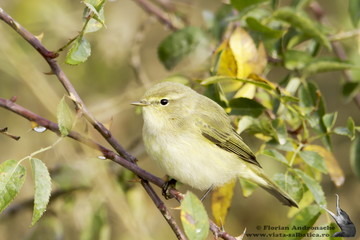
<point>191,137</point>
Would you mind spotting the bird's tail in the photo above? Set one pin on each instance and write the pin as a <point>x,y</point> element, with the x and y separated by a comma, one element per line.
<point>282,196</point>
<point>271,187</point>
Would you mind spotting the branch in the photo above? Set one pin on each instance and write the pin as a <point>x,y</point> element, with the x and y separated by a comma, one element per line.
<point>338,49</point>
<point>123,157</point>
<point>161,16</point>
<point>23,112</point>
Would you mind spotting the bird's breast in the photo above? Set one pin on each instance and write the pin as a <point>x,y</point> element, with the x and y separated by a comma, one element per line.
<point>191,159</point>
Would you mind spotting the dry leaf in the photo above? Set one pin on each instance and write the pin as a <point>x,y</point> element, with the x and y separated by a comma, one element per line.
<point>221,200</point>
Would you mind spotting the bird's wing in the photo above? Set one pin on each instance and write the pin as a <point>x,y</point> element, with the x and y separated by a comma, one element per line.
<point>228,140</point>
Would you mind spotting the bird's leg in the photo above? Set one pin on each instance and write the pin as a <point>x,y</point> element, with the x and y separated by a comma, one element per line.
<point>167,186</point>
<point>207,193</point>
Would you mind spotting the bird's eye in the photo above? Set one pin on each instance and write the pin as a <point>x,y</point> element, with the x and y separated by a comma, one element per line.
<point>164,101</point>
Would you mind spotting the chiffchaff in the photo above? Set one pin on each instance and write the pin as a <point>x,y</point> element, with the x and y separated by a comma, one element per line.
<point>192,139</point>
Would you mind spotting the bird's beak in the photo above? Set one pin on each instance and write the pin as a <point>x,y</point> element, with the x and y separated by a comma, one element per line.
<point>141,103</point>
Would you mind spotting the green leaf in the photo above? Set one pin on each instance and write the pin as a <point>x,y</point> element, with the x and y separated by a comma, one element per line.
<point>180,44</point>
<point>276,155</point>
<point>94,3</point>
<point>354,11</point>
<point>245,106</point>
<point>65,117</point>
<point>247,187</point>
<point>245,123</point>
<point>290,184</point>
<point>350,89</point>
<point>12,177</point>
<point>79,51</point>
<point>242,4</point>
<point>302,22</point>
<point>351,127</point>
<point>348,131</point>
<point>329,120</point>
<point>219,79</point>
<point>42,188</point>
<point>325,65</point>
<point>314,160</point>
<point>355,156</point>
<point>313,186</point>
<point>194,217</point>
<point>296,59</point>
<point>256,25</point>
<point>216,93</point>
<point>303,221</point>
<point>311,100</point>
<point>96,22</point>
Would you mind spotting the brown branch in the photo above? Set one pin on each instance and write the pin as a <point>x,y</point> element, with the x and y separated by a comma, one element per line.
<point>123,157</point>
<point>126,160</point>
<point>161,16</point>
<point>338,49</point>
<point>220,233</point>
<point>25,113</point>
<point>162,208</point>
<point>6,133</point>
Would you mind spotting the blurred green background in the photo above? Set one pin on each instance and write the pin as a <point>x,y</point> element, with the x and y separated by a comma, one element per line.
<point>107,84</point>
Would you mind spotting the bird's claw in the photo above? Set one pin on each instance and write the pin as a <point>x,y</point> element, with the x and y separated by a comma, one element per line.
<point>166,188</point>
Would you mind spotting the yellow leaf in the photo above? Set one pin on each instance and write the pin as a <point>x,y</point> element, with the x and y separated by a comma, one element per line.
<point>334,170</point>
<point>227,64</point>
<point>227,67</point>
<point>246,91</point>
<point>240,58</point>
<point>248,58</point>
<point>221,201</point>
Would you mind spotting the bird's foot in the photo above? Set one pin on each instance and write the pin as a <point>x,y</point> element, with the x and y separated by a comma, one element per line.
<point>166,188</point>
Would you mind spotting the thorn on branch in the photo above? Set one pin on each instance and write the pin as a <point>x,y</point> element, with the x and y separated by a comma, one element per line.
<point>49,73</point>
<point>13,99</point>
<point>5,132</point>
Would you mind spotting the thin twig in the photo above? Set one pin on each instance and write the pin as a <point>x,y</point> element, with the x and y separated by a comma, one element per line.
<point>135,58</point>
<point>345,35</point>
<point>25,113</point>
<point>220,233</point>
<point>158,13</point>
<point>6,133</point>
